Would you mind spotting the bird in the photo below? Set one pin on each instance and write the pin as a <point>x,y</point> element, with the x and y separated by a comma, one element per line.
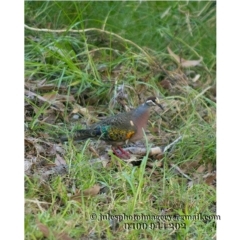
<point>119,129</point>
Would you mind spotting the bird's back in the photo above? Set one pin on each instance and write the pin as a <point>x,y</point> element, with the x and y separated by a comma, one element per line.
<point>115,130</point>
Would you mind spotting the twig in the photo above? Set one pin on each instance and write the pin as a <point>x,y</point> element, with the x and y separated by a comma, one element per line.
<point>93,30</point>
<point>180,171</point>
<point>143,151</point>
<point>171,144</point>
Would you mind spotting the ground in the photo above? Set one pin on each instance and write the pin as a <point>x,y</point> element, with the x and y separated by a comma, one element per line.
<point>83,63</point>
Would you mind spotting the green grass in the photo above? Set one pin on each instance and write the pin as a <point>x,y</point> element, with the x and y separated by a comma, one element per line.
<point>83,70</point>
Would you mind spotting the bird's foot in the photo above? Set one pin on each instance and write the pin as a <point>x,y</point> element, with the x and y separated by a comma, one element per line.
<point>121,153</point>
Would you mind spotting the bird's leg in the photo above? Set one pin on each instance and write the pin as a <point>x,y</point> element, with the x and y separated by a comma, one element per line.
<point>123,154</point>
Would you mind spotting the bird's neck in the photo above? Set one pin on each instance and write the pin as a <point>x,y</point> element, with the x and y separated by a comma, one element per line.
<point>142,115</point>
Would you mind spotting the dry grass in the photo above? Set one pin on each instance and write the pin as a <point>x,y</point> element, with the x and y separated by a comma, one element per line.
<point>75,78</point>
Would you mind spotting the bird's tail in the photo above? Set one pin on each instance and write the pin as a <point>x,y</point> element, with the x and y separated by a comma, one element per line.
<point>81,135</point>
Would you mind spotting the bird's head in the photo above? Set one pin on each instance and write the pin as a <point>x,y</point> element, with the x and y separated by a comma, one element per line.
<point>153,101</point>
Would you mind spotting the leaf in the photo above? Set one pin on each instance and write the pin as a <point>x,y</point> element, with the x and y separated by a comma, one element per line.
<point>59,149</point>
<point>41,85</point>
<point>34,142</point>
<point>49,116</point>
<point>183,62</point>
<point>209,178</point>
<point>191,63</point>
<point>83,111</point>
<point>30,94</point>
<point>27,165</point>
<point>59,160</point>
<point>196,78</point>
<point>44,229</point>
<point>50,96</point>
<point>201,169</point>
<point>63,236</point>
<point>91,192</point>
<point>78,109</point>
<point>210,167</point>
<point>166,84</point>
<point>33,85</point>
<point>58,106</point>
<point>66,98</point>
<point>46,232</point>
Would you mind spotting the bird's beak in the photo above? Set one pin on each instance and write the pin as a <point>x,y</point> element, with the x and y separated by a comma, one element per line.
<point>158,103</point>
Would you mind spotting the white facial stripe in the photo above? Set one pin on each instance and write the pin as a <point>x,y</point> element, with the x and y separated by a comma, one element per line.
<point>150,102</point>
